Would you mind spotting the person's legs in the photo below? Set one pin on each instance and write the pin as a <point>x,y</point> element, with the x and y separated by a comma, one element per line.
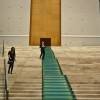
<point>12,67</point>
<point>9,68</point>
<point>43,54</point>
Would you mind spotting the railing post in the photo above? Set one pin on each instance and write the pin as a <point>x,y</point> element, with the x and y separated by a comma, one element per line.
<point>3,49</point>
<point>7,95</point>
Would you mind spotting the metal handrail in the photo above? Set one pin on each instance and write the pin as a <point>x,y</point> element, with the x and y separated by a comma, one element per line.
<point>6,92</point>
<point>6,85</point>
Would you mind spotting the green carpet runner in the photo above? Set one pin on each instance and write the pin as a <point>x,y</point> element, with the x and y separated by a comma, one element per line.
<point>55,85</point>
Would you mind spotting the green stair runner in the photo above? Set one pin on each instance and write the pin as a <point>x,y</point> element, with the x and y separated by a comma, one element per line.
<point>55,85</point>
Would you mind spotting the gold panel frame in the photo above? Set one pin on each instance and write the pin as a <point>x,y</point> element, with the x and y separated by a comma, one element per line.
<point>45,21</point>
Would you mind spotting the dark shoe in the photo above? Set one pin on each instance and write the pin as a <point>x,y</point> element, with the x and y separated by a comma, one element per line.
<point>42,58</point>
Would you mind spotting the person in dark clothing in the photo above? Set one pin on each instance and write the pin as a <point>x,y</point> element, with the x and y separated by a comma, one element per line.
<point>42,46</point>
<point>11,59</point>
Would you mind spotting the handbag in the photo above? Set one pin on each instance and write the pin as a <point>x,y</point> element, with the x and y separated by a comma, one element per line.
<point>10,62</point>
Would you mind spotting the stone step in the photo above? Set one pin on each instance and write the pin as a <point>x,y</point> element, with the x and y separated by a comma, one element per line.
<point>24,95</point>
<point>2,87</point>
<point>87,91</point>
<point>89,95</point>
<point>86,88</point>
<point>1,98</point>
<point>1,94</point>
<point>89,84</point>
<point>25,98</point>
<point>25,81</point>
<point>23,87</point>
<point>22,91</point>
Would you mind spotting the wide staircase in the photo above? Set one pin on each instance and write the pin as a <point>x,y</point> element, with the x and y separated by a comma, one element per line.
<point>55,84</point>
<point>25,83</point>
<point>78,73</point>
<point>82,66</point>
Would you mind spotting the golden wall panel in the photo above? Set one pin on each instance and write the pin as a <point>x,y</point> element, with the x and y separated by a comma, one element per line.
<point>45,21</point>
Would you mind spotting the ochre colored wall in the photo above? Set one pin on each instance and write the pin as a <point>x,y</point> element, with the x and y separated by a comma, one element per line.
<point>45,21</point>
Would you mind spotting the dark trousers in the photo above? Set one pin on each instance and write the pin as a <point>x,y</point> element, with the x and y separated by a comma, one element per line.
<point>42,53</point>
<point>11,68</point>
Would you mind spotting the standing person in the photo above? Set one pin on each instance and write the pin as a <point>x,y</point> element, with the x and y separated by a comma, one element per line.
<point>11,59</point>
<point>42,46</point>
